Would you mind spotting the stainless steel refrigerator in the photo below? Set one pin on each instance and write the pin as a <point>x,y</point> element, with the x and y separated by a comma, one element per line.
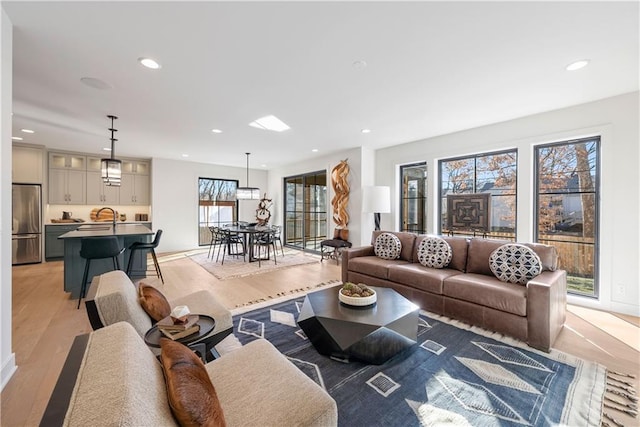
<point>26,230</point>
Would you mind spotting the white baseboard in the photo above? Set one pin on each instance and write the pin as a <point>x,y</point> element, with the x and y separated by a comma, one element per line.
<point>8,369</point>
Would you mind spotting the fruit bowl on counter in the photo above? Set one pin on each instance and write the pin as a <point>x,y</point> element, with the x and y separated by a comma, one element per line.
<point>357,294</point>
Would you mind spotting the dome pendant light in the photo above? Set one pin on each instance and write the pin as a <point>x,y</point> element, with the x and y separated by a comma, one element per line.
<point>112,167</point>
<point>248,193</point>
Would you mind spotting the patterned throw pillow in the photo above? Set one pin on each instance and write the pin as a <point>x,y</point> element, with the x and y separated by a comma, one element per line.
<point>434,252</point>
<point>515,263</point>
<point>387,246</point>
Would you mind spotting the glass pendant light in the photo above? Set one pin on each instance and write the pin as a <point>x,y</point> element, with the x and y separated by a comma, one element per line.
<point>248,193</point>
<point>112,167</point>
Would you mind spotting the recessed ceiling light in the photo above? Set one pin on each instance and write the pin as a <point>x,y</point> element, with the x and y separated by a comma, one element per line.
<point>359,64</point>
<point>216,131</point>
<point>149,63</point>
<point>27,131</point>
<point>270,123</point>
<point>577,65</point>
<point>16,138</point>
<point>263,165</point>
<point>315,150</point>
<point>365,130</point>
<point>96,83</point>
<point>185,155</point>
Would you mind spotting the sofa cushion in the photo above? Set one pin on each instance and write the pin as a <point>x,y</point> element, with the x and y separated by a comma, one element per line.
<point>387,246</point>
<point>548,255</point>
<point>258,386</point>
<point>487,291</point>
<point>515,263</point>
<point>119,383</point>
<point>373,266</point>
<point>434,252</point>
<point>459,246</point>
<point>153,302</point>
<point>417,276</point>
<point>407,241</point>
<point>479,252</point>
<point>191,394</point>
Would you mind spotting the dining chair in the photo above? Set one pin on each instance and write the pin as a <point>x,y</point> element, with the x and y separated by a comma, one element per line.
<point>229,239</point>
<point>277,231</point>
<point>216,241</point>
<point>265,240</point>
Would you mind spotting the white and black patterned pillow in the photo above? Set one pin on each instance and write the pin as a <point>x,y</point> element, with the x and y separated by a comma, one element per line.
<point>387,246</point>
<point>434,252</point>
<point>515,263</point>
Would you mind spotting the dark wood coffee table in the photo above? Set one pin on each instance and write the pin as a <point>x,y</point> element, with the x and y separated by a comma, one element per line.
<point>207,323</point>
<point>372,334</point>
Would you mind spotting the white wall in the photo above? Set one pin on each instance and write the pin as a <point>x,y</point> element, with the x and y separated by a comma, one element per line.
<point>174,198</point>
<point>616,120</point>
<point>7,357</point>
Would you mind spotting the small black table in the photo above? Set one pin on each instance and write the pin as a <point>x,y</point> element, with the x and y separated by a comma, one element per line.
<point>207,323</point>
<point>373,334</point>
<point>336,245</point>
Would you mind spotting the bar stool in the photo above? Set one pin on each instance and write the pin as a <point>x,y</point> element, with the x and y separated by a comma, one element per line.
<point>98,248</point>
<point>139,246</point>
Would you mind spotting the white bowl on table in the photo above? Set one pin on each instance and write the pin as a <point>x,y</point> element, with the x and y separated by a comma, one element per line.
<point>357,301</point>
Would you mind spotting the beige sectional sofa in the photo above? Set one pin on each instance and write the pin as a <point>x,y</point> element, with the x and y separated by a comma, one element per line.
<point>111,378</point>
<point>467,289</point>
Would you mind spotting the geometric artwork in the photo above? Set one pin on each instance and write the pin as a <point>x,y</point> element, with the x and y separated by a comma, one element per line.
<point>468,211</point>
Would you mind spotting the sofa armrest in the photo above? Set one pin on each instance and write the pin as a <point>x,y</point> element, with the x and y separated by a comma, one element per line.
<point>546,308</point>
<point>347,254</point>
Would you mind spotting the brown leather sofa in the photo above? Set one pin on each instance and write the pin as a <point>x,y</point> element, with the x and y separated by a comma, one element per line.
<point>467,290</point>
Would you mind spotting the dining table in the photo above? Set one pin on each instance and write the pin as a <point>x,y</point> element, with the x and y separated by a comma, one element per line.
<point>248,233</point>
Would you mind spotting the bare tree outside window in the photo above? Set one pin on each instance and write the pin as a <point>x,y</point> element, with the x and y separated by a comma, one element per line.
<point>216,205</point>
<point>567,208</point>
<point>492,173</point>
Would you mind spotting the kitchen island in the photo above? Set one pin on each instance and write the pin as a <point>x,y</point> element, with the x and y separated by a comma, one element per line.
<point>74,263</point>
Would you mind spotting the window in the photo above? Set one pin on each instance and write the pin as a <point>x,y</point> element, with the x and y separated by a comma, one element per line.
<point>413,202</point>
<point>216,205</point>
<point>306,210</point>
<point>567,195</point>
<point>491,176</point>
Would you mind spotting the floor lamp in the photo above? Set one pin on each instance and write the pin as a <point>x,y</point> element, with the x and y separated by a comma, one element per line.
<point>376,200</point>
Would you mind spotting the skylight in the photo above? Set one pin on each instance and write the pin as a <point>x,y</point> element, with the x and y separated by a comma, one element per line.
<point>270,123</point>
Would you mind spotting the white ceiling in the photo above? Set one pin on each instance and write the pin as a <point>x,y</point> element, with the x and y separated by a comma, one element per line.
<point>432,68</point>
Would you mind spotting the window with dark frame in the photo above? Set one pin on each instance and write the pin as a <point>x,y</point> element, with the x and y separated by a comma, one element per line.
<point>305,211</point>
<point>413,199</point>
<point>567,208</point>
<point>217,205</point>
<point>491,176</point>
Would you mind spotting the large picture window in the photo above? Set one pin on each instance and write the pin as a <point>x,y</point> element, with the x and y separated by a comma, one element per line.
<point>567,194</point>
<point>306,210</point>
<point>413,200</point>
<point>478,195</point>
<point>216,205</point>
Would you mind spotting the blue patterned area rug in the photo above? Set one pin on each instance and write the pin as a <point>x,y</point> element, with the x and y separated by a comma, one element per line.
<point>454,375</point>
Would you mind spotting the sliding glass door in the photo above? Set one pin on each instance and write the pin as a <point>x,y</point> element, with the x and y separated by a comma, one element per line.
<point>306,210</point>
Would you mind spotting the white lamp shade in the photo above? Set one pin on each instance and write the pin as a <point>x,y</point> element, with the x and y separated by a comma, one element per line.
<point>376,199</point>
<point>248,193</point>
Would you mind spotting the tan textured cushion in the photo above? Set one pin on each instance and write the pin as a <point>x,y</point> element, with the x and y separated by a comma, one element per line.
<point>270,391</point>
<point>203,302</point>
<point>117,301</point>
<point>153,302</point>
<point>192,397</point>
<point>120,383</point>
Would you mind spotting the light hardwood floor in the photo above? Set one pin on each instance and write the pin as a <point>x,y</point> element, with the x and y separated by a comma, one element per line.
<point>45,321</point>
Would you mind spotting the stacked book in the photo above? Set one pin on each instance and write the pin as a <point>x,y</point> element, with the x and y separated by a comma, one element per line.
<point>176,329</point>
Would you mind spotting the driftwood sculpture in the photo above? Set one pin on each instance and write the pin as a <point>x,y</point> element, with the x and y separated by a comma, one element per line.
<point>340,183</point>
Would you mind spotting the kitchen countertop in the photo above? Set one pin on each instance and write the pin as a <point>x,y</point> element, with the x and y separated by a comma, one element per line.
<point>102,229</point>
<point>96,222</point>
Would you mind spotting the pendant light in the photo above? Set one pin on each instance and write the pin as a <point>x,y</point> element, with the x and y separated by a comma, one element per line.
<point>112,167</point>
<point>248,193</point>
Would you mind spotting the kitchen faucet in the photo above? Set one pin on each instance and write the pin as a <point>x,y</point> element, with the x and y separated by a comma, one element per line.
<point>114,216</point>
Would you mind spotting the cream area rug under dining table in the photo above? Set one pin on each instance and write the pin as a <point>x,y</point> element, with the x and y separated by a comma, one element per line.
<point>235,266</point>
